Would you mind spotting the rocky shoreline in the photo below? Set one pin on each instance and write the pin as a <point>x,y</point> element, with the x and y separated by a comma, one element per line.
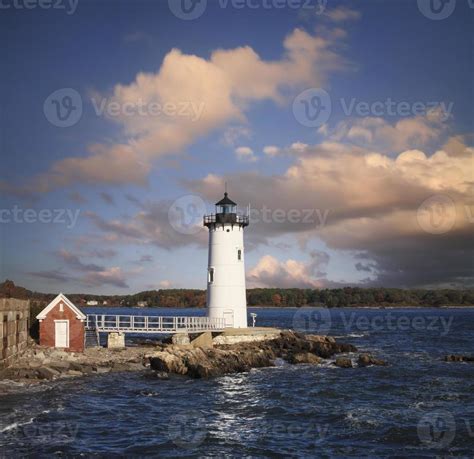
<point>161,359</point>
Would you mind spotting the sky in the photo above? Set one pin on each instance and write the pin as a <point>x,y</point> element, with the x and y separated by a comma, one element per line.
<point>345,127</point>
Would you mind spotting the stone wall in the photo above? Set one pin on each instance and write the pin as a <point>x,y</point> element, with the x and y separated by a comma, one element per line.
<point>14,325</point>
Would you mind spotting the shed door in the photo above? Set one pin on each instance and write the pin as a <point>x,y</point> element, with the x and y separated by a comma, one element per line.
<point>61,333</point>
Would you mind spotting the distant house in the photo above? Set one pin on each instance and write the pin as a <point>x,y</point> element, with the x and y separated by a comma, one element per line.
<point>92,303</point>
<point>105,303</point>
<point>142,304</point>
<point>62,325</point>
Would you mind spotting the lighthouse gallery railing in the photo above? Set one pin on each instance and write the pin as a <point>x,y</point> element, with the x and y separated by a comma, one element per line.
<point>153,324</point>
<point>226,218</point>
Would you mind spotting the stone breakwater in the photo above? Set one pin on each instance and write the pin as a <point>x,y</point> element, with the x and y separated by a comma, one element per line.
<point>293,348</point>
<point>191,360</point>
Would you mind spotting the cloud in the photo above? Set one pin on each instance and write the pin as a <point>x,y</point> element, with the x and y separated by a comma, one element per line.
<point>342,14</point>
<point>149,226</point>
<point>234,134</point>
<point>270,272</point>
<point>215,91</point>
<point>145,259</point>
<point>102,253</point>
<point>245,154</point>
<point>111,276</point>
<point>74,261</point>
<point>107,198</point>
<point>372,202</point>
<point>77,198</point>
<point>374,132</point>
<point>165,284</point>
<point>54,275</point>
<point>271,150</point>
<point>90,274</point>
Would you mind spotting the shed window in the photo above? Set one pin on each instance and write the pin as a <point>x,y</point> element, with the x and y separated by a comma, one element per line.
<point>61,307</point>
<point>239,254</point>
<point>211,275</point>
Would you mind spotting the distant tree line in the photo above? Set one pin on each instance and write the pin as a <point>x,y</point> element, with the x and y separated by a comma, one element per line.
<point>277,297</point>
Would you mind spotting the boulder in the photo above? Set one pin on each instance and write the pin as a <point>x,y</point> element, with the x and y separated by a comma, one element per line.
<point>343,362</point>
<point>180,339</point>
<point>82,367</point>
<point>459,358</point>
<point>75,373</point>
<point>304,357</point>
<point>46,373</point>
<point>169,363</point>
<point>366,359</point>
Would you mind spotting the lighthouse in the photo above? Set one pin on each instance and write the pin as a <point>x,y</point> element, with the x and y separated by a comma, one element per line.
<point>226,297</point>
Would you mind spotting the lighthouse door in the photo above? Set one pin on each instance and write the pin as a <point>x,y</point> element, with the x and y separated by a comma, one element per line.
<point>229,318</point>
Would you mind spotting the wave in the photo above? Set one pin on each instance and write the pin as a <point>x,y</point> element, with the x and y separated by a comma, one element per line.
<point>15,425</point>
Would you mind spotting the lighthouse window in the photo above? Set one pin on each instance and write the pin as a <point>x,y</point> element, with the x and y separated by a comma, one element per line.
<point>211,275</point>
<point>239,254</point>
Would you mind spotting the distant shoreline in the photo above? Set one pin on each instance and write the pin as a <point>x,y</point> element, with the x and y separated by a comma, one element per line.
<point>284,307</point>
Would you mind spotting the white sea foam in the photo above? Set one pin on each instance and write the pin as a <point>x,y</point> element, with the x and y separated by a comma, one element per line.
<point>15,425</point>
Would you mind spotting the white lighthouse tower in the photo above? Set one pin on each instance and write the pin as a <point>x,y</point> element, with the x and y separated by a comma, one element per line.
<point>226,297</point>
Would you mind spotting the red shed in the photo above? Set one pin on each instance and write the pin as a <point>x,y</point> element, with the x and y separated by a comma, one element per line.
<point>62,325</point>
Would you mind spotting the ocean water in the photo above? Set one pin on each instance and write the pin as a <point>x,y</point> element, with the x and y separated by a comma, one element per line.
<point>418,406</point>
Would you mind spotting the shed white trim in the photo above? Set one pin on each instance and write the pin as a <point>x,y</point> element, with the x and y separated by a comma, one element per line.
<point>61,297</point>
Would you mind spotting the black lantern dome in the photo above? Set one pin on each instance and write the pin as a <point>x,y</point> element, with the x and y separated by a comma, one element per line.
<point>226,212</point>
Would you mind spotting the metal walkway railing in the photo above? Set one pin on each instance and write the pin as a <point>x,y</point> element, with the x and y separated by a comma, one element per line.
<point>153,324</point>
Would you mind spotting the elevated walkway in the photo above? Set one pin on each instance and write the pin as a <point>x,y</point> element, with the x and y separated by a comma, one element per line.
<point>153,324</point>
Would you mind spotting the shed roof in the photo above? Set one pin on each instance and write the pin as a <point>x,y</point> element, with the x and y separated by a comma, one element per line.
<point>61,297</point>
